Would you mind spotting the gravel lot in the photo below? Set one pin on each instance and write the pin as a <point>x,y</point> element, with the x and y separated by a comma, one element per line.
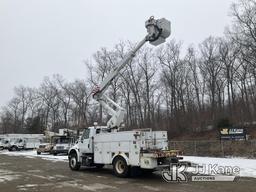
<point>20,173</point>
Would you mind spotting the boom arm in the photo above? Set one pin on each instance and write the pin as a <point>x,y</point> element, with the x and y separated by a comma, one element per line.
<point>158,31</point>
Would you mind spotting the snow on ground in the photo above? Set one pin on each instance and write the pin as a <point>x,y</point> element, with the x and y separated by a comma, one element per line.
<point>6,175</point>
<point>33,154</point>
<point>247,166</point>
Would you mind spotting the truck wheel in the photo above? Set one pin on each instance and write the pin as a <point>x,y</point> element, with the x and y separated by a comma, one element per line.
<point>120,167</point>
<point>73,163</point>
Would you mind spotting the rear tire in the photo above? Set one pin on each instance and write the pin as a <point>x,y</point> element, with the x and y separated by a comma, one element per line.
<point>73,163</point>
<point>120,167</point>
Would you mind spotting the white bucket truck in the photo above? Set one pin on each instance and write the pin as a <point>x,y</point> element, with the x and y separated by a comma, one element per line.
<point>125,150</point>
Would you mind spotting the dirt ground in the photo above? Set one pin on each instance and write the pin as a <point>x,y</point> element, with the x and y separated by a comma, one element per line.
<point>18,173</point>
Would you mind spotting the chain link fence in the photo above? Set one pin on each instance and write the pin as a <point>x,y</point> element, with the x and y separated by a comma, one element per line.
<point>216,148</point>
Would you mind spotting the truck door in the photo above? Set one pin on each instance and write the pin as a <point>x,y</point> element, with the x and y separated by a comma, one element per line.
<point>85,144</point>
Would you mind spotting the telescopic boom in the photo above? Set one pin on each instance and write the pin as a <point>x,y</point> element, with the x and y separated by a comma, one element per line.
<point>158,30</point>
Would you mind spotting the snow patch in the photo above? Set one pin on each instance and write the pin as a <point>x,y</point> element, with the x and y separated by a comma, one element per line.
<point>34,171</point>
<point>121,182</point>
<point>33,154</point>
<point>92,187</point>
<point>6,175</point>
<point>26,187</point>
<point>247,166</point>
<point>151,188</point>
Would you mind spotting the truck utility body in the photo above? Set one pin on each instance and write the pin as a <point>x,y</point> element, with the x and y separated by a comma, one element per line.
<point>137,147</point>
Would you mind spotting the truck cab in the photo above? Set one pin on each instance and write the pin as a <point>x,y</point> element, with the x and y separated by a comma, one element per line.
<point>17,144</point>
<point>85,142</point>
<point>82,152</point>
<point>61,144</point>
<point>4,143</point>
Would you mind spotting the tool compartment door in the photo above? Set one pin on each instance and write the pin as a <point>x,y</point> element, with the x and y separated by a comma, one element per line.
<point>102,152</point>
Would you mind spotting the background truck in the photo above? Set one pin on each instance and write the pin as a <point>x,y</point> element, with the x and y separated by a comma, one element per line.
<point>24,144</point>
<point>61,144</point>
<point>5,142</point>
<point>125,150</point>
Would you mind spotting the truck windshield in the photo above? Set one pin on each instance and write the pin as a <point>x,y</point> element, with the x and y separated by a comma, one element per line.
<point>64,140</point>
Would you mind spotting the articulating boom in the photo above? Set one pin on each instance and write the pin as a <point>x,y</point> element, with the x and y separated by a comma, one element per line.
<point>158,31</point>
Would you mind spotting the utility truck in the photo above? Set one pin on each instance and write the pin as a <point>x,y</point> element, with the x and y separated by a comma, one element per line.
<point>24,144</point>
<point>125,150</point>
<point>62,143</point>
<point>14,142</point>
<point>5,143</point>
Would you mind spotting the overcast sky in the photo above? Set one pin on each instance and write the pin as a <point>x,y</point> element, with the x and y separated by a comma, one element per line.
<point>39,38</point>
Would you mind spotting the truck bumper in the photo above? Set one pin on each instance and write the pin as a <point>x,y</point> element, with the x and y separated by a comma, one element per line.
<point>60,151</point>
<point>159,159</point>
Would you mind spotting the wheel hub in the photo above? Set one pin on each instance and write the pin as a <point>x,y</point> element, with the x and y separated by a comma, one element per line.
<point>120,166</point>
<point>73,162</point>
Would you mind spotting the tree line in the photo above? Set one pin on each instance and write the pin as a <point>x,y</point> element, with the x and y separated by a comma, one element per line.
<point>167,88</point>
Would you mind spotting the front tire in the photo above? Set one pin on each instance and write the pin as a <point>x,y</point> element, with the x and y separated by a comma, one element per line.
<point>73,163</point>
<point>120,167</point>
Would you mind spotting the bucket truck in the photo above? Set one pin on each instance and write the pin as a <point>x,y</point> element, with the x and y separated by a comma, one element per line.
<point>125,150</point>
